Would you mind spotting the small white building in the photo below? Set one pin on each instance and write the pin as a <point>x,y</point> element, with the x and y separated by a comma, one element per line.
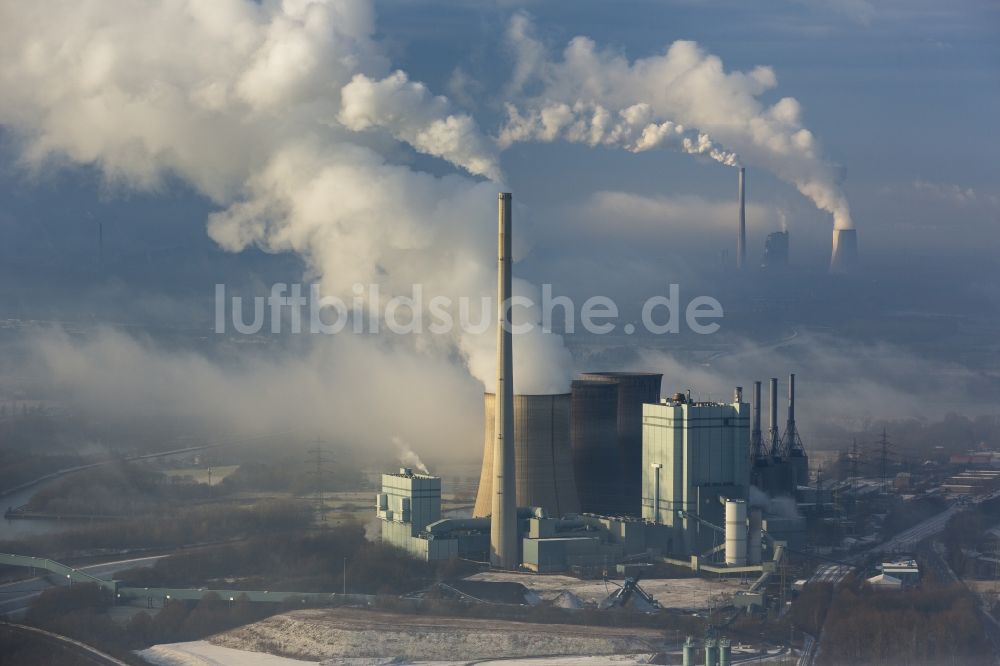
<point>885,582</point>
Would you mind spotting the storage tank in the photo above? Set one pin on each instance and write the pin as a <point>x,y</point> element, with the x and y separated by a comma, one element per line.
<point>543,462</point>
<point>711,652</point>
<point>736,533</point>
<point>634,390</point>
<point>594,440</point>
<point>688,655</point>
<point>725,652</point>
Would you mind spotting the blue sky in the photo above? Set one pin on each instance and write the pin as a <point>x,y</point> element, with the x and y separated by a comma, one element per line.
<point>902,97</point>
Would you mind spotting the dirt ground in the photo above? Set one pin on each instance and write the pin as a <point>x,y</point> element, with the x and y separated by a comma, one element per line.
<point>344,632</point>
<point>686,593</point>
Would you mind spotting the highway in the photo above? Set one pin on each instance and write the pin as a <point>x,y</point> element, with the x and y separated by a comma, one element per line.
<point>82,650</point>
<point>907,540</point>
<point>17,596</point>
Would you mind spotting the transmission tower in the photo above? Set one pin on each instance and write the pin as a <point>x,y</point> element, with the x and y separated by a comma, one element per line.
<point>884,452</point>
<point>319,459</point>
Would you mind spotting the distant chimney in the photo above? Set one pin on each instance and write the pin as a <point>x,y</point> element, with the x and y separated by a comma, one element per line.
<point>741,239</point>
<point>756,441</point>
<point>773,439</point>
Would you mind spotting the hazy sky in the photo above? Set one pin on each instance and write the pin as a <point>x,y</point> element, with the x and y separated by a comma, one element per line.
<point>246,143</point>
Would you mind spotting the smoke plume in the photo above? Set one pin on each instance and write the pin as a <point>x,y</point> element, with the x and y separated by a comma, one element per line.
<point>268,109</point>
<point>591,92</point>
<point>407,457</point>
<point>632,129</point>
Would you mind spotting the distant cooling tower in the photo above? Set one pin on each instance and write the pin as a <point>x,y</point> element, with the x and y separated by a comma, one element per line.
<point>543,463</point>
<point>845,250</point>
<point>634,390</point>
<point>594,438</point>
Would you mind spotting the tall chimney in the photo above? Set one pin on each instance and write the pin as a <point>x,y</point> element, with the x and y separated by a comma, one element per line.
<point>741,240</point>
<point>503,524</point>
<point>756,441</point>
<point>773,440</point>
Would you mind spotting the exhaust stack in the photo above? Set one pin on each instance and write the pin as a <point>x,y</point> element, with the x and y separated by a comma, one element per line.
<point>757,452</point>
<point>503,524</point>
<point>790,433</point>
<point>741,240</point>
<point>773,440</point>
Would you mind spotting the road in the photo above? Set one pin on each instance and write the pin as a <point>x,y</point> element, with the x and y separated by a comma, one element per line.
<point>82,650</point>
<point>17,596</point>
<point>907,540</point>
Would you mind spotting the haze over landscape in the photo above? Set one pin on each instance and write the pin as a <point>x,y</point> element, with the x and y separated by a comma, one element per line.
<point>159,159</point>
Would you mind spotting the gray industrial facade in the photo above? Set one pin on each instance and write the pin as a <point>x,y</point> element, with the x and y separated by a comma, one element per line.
<point>693,454</point>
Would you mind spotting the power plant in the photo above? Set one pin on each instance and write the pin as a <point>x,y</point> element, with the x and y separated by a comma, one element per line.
<point>843,257</point>
<point>610,474</point>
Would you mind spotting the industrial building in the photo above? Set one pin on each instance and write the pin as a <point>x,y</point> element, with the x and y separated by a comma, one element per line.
<point>693,454</point>
<point>775,251</point>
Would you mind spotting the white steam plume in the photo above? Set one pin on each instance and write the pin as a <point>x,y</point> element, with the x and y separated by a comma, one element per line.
<point>407,456</point>
<point>685,86</point>
<point>632,128</point>
<point>411,114</point>
<point>259,106</point>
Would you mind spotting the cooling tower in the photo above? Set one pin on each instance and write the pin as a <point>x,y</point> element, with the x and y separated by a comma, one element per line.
<point>845,250</point>
<point>741,239</point>
<point>543,462</point>
<point>501,455</point>
<point>634,390</point>
<point>594,439</point>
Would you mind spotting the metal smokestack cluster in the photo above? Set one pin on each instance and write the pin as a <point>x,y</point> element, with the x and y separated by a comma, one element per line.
<point>741,242</point>
<point>503,525</point>
<point>780,464</point>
